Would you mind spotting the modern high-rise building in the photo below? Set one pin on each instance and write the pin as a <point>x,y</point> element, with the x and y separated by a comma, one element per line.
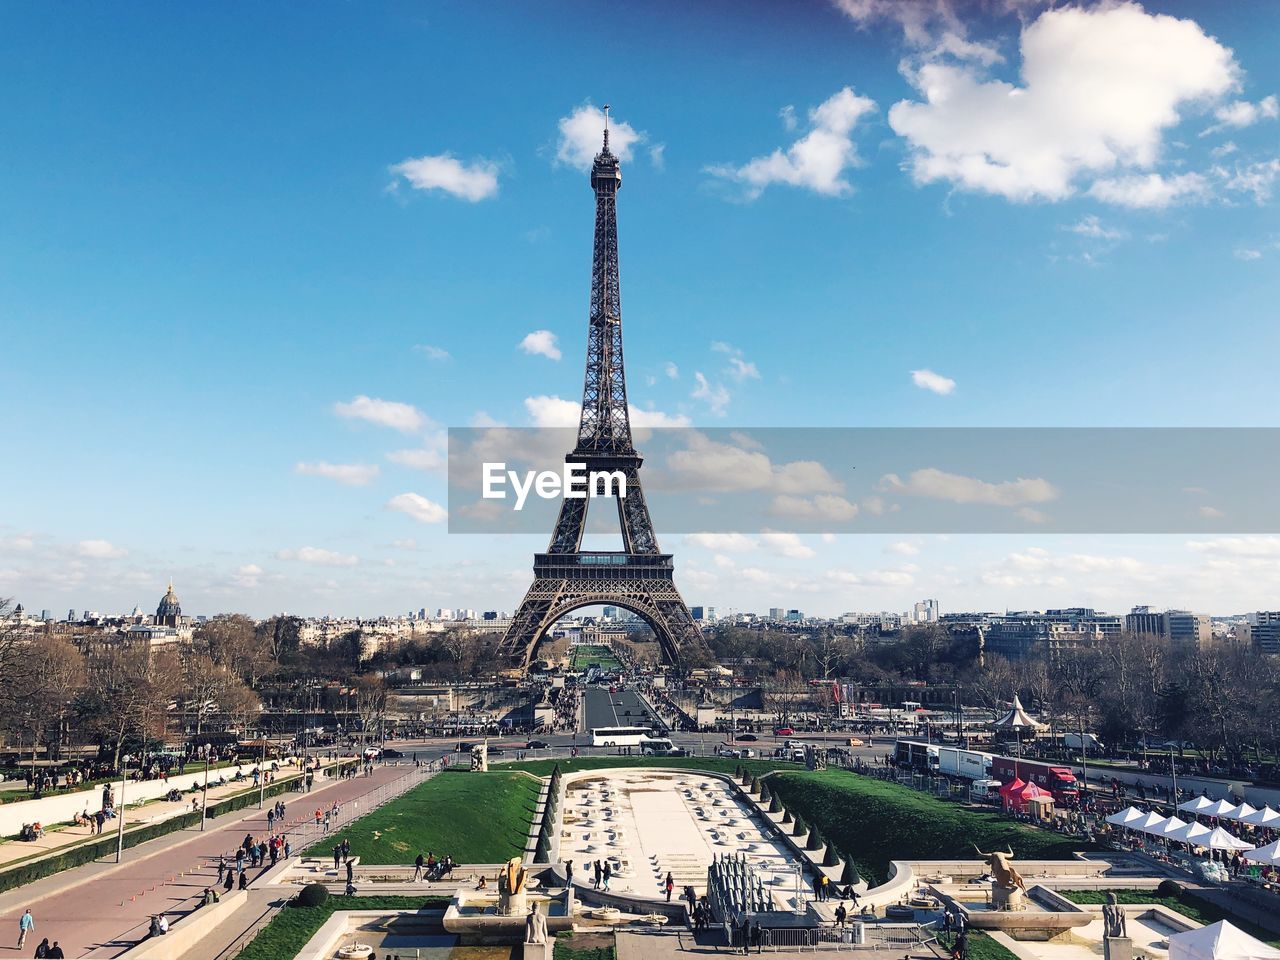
<point>1188,631</point>
<point>1265,626</point>
<point>926,611</point>
<point>777,613</point>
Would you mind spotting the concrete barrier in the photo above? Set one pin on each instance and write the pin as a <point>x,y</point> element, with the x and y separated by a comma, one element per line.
<point>187,931</point>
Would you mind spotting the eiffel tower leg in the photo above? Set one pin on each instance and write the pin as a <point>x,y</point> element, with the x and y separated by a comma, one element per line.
<point>531,621</point>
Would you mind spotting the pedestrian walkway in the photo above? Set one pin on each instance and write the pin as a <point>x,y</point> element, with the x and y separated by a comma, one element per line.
<point>64,836</point>
<point>101,909</point>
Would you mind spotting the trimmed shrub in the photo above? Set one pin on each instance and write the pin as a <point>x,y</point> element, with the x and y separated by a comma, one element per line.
<point>1170,889</point>
<point>850,873</point>
<point>832,859</point>
<point>786,816</point>
<point>312,895</point>
<point>765,793</point>
<point>800,828</point>
<point>815,841</point>
<point>775,804</point>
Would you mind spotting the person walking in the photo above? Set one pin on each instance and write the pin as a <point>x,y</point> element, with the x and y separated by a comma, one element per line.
<point>417,867</point>
<point>26,923</point>
<point>608,872</point>
<point>841,915</point>
<point>42,948</point>
<point>337,855</point>
<point>595,883</point>
<point>55,952</point>
<point>669,885</point>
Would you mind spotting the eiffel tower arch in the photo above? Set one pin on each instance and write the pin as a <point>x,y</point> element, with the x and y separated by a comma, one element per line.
<point>639,577</point>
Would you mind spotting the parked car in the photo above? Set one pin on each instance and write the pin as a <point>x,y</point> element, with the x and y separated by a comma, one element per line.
<point>537,745</point>
<point>748,737</point>
<point>783,732</point>
<point>392,754</point>
<point>462,748</point>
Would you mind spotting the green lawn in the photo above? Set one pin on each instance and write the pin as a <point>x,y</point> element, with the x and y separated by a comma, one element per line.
<point>473,817</point>
<point>291,928</point>
<point>1189,905</point>
<point>588,655</point>
<point>982,947</point>
<point>874,822</point>
<point>542,768</point>
<point>569,946</point>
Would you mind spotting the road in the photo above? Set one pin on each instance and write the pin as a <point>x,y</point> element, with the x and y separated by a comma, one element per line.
<point>625,708</point>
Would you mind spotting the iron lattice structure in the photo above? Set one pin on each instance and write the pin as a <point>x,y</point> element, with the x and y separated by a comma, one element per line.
<point>639,577</point>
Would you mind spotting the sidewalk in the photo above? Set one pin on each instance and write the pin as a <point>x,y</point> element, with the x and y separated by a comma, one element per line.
<point>103,908</point>
<point>65,836</point>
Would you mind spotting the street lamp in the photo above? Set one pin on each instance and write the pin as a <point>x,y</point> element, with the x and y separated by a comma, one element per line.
<point>204,799</point>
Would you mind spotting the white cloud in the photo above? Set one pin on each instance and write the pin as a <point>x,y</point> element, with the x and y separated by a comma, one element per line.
<point>473,182</point>
<point>707,464</point>
<point>350,474</point>
<point>1257,179</point>
<point>386,413</point>
<point>818,160</point>
<point>1091,226</point>
<point>1211,513</point>
<point>1152,191</point>
<point>22,541</point>
<point>904,548</point>
<point>644,419</point>
<point>541,343</point>
<point>1246,547</point>
<point>1099,87</point>
<point>433,353</point>
<point>717,397</point>
<point>788,117</point>
<point>1242,113</point>
<point>582,136</point>
<point>787,545</point>
<point>934,382</point>
<point>921,20</point>
<point>730,542</point>
<point>739,368</point>
<point>938,485</point>
<point>319,556</point>
<point>418,507</point>
<point>99,549</point>
<point>1245,253</point>
<point>823,507</point>
<point>671,370</point>
<point>658,156</point>
<point>423,458</point>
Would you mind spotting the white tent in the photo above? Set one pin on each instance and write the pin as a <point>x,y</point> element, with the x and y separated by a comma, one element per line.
<point>1169,828</point>
<point>1150,823</point>
<point>1266,817</point>
<point>1018,719</point>
<point>1269,855</point>
<point>1126,817</point>
<point>1240,812</point>
<point>1196,804</point>
<point>1220,808</point>
<point>1219,839</point>
<point>1219,941</point>
<point>1191,833</point>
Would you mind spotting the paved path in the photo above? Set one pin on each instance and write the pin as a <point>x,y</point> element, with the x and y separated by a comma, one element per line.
<point>100,910</point>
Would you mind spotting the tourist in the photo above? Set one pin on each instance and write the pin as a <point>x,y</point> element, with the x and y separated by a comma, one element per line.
<point>417,867</point>
<point>757,936</point>
<point>744,933</point>
<point>960,948</point>
<point>244,881</point>
<point>346,849</point>
<point>948,921</point>
<point>598,870</point>
<point>337,855</point>
<point>271,821</point>
<point>350,871</point>
<point>668,885</point>
<point>568,872</point>
<point>817,887</point>
<point>55,952</point>
<point>841,915</point>
<point>42,948</point>
<point>26,923</point>
<point>608,872</point>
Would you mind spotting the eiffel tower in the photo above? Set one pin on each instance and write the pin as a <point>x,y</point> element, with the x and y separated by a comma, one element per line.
<point>639,577</point>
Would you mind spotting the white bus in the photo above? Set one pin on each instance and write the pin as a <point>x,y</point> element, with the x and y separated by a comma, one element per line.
<point>628,737</point>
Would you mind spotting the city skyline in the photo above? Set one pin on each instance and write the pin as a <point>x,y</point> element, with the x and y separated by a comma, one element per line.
<point>258,319</point>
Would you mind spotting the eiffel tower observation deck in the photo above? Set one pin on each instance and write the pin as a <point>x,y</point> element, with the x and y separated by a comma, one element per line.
<point>639,578</point>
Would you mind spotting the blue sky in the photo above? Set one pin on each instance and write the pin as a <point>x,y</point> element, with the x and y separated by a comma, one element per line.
<point>221,227</point>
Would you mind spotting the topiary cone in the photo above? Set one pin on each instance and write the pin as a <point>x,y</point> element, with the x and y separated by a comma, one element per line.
<point>832,859</point>
<point>850,873</point>
<point>800,829</point>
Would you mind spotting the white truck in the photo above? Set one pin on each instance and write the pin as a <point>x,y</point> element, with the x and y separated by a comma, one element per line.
<point>965,764</point>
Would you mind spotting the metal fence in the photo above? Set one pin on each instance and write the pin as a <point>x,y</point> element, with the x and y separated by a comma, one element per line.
<point>854,936</point>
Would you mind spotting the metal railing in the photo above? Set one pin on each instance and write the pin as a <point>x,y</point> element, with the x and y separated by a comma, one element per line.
<point>852,936</point>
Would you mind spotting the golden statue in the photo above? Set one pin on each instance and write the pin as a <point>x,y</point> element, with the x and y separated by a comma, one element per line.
<point>1002,869</point>
<point>512,878</point>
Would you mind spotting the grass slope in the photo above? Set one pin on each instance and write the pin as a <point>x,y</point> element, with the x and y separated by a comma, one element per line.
<point>874,822</point>
<point>291,928</point>
<point>474,817</point>
<point>1189,905</point>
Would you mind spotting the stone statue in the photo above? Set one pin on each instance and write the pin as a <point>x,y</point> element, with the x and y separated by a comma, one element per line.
<point>1113,918</point>
<point>535,926</point>
<point>1002,869</point>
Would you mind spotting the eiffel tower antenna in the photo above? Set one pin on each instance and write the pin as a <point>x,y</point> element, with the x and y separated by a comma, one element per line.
<point>639,577</point>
